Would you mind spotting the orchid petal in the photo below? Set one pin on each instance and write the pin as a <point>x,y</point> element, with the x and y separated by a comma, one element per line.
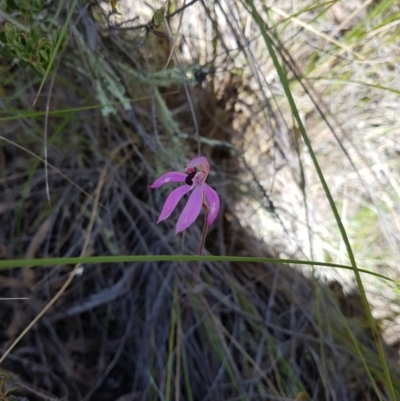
<point>191,210</point>
<point>172,200</point>
<point>196,161</point>
<point>172,176</point>
<point>213,203</point>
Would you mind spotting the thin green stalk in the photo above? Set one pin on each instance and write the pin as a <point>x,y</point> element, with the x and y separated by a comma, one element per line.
<point>170,355</point>
<point>90,260</point>
<point>185,366</point>
<point>31,114</point>
<point>198,264</point>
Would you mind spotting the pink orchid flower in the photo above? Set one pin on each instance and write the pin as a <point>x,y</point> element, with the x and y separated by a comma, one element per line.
<point>194,176</point>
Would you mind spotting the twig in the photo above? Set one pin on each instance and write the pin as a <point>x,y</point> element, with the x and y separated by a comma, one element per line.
<point>187,91</point>
<point>168,16</point>
<point>174,41</point>
<point>71,275</point>
<point>55,169</point>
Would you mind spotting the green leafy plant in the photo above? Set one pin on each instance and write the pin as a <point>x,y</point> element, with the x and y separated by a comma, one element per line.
<point>29,40</point>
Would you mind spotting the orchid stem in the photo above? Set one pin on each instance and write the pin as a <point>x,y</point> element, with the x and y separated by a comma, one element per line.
<point>198,264</point>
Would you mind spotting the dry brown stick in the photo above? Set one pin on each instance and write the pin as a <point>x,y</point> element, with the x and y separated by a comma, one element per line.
<point>71,275</point>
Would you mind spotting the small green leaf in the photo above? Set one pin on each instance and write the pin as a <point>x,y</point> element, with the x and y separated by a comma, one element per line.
<point>10,32</point>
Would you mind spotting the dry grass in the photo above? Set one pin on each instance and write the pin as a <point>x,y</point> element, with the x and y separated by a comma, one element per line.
<point>252,331</point>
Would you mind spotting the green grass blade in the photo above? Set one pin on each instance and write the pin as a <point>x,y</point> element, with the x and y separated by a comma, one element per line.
<point>57,47</point>
<point>185,367</point>
<point>170,353</point>
<point>43,262</point>
<point>283,78</point>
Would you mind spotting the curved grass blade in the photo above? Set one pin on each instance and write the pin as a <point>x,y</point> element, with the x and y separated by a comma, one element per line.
<point>285,84</point>
<point>46,262</point>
